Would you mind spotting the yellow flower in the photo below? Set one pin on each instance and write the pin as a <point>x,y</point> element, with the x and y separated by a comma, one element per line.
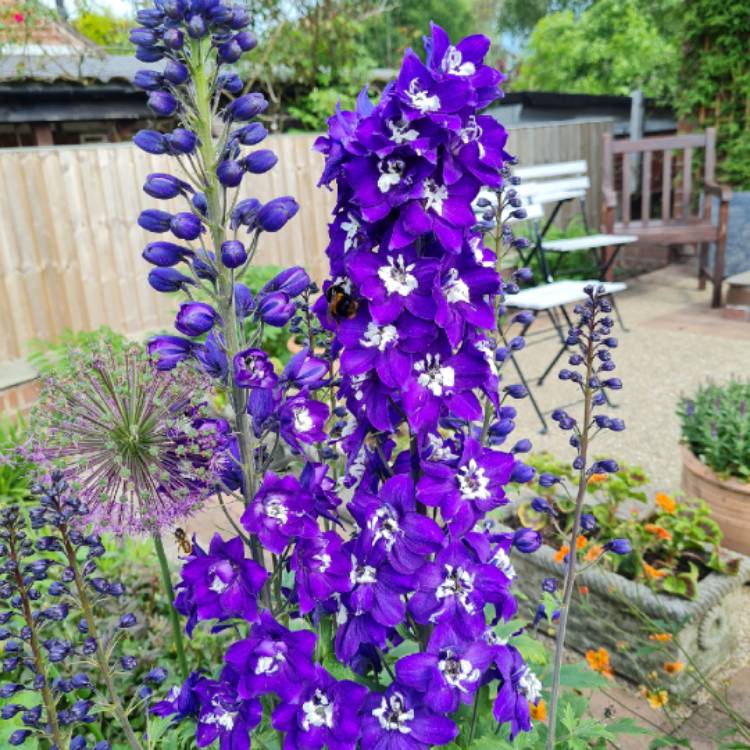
<point>665,502</point>
<point>657,698</point>
<point>539,711</point>
<point>661,637</point>
<point>599,661</point>
<point>673,667</point>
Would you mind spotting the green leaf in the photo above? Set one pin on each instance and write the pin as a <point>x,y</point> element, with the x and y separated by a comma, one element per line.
<point>580,677</point>
<point>627,725</point>
<point>669,742</point>
<point>532,650</point>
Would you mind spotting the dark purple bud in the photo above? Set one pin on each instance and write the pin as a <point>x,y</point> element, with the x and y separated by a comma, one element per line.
<point>9,689</point>
<point>181,141</point>
<point>204,266</point>
<point>167,351</point>
<point>80,680</point>
<point>540,505</point>
<point>578,463</point>
<point>275,309</point>
<point>614,384</point>
<point>127,620</point>
<point>219,15</point>
<point>230,51</point>
<point>151,142</point>
<point>156,676</point>
<point>292,281</point>
<point>145,692</point>
<point>9,710</point>
<point>501,354</point>
<point>522,446</point>
<point>162,103</point>
<point>168,279</point>
<point>195,318</point>
<point>165,186</point>
<point>618,546</point>
<point>588,522</point>
<point>616,424</point>
<point>233,253</point>
<point>246,40</point>
<point>78,743</point>
<point>516,390</point>
<point>550,585</point>
<point>610,342</point>
<point>173,39</point>
<point>149,17</point>
<point>247,106</point>
<point>165,254</point>
<point>153,220</point>
<point>148,80</point>
<point>175,9</point>
<point>524,317</point>
<point>143,36</point>
<point>244,302</point>
<point>522,473</point>
<point>607,466</point>
<point>260,161</point>
<point>240,18</point>
<point>502,427</point>
<point>527,540</point>
<point>175,72</point>
<point>250,134</point>
<point>245,213</point>
<point>102,745</point>
<point>547,480</point>
<point>148,54</point>
<point>231,83</point>
<point>276,213</point>
<point>18,737</point>
<point>186,226</point>
<point>200,203</point>
<point>196,27</point>
<point>517,343</point>
<point>523,274</point>
<point>230,173</point>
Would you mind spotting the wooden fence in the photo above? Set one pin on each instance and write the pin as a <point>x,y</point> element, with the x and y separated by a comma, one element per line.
<point>70,246</point>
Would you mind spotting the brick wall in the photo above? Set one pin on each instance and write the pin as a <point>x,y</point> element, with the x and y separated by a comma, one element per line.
<point>19,398</point>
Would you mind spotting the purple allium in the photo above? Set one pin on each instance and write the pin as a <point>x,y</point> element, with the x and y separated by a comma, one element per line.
<point>137,466</point>
<point>223,582</point>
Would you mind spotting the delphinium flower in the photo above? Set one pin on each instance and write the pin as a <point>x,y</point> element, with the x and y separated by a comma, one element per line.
<point>54,643</point>
<point>134,442</point>
<point>411,309</point>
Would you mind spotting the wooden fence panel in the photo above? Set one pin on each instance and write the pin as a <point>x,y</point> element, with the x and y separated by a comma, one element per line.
<point>70,246</point>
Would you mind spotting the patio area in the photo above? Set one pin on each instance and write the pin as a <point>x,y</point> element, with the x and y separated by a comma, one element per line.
<point>674,343</point>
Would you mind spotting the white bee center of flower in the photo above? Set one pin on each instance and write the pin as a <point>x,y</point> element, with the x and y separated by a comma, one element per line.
<point>420,99</point>
<point>363,574</point>
<point>433,376</point>
<point>356,382</point>
<point>459,673</point>
<point>392,714</point>
<point>453,63</point>
<point>323,560</point>
<point>351,227</point>
<point>473,482</point>
<point>502,561</point>
<point>270,664</point>
<point>458,583</point>
<point>398,277</point>
<point>318,711</point>
<point>455,288</point>
<point>221,718</point>
<point>391,172</point>
<point>401,132</point>
<point>302,419</point>
<point>439,450</point>
<point>379,336</point>
<point>530,684</point>
<point>436,195</point>
<point>472,132</point>
<point>385,525</point>
<point>275,507</point>
<point>488,354</point>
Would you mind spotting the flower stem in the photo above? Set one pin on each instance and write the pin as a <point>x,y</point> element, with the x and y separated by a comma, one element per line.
<point>570,572</point>
<point>166,580</point>
<point>101,656</point>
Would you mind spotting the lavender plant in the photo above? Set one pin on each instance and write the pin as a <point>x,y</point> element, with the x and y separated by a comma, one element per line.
<point>58,649</point>
<point>373,625</point>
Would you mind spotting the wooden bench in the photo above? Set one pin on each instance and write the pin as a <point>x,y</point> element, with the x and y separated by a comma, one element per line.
<point>682,216</point>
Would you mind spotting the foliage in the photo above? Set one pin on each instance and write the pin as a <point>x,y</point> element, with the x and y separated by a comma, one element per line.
<point>673,546</point>
<point>105,29</point>
<point>14,466</point>
<point>520,16</point>
<point>716,427</point>
<point>613,47</point>
<point>715,80</point>
<point>52,357</point>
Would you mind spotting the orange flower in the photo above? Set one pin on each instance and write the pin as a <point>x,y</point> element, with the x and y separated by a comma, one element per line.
<point>661,637</point>
<point>599,661</point>
<point>584,590</point>
<point>562,553</point>
<point>652,572</point>
<point>594,553</point>
<point>658,698</point>
<point>659,531</point>
<point>538,712</point>
<point>598,478</point>
<point>665,502</point>
<point>673,667</point>
<point>580,542</point>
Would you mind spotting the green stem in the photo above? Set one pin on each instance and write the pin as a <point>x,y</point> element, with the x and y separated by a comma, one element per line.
<point>174,617</point>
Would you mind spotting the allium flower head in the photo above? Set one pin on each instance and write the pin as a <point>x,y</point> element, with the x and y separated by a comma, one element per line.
<point>123,432</point>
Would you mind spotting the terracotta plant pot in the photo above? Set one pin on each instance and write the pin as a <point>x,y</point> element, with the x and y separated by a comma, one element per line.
<point>729,500</point>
